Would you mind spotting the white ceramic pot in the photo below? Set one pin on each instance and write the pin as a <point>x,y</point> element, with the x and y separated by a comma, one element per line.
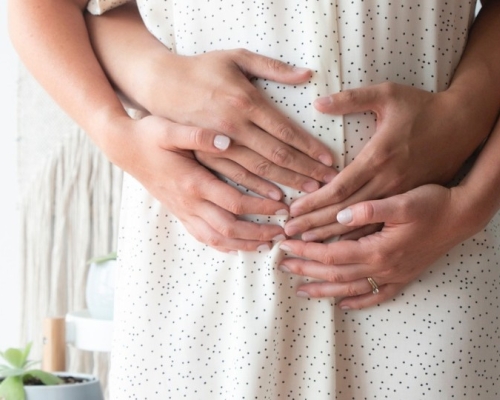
<point>88,390</point>
<point>100,290</point>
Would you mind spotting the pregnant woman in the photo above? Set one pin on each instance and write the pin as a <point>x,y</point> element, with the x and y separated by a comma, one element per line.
<point>195,322</point>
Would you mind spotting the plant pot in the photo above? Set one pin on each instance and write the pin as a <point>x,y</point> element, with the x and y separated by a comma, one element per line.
<point>100,290</point>
<point>88,390</point>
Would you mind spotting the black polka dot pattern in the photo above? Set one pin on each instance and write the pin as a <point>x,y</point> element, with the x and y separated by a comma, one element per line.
<point>192,323</point>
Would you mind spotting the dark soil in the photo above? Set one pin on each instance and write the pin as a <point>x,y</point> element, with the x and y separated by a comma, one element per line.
<point>32,381</point>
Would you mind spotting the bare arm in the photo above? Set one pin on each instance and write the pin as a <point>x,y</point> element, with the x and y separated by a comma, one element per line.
<point>421,137</point>
<point>420,226</point>
<point>423,224</point>
<point>213,90</point>
<point>52,40</point>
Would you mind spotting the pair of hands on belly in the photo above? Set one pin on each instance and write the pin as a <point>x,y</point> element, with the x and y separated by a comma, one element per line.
<point>418,141</point>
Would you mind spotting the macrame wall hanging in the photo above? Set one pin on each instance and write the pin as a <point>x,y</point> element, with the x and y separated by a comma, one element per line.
<point>69,206</point>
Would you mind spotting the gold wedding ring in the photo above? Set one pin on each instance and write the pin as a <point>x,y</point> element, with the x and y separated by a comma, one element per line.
<point>373,285</point>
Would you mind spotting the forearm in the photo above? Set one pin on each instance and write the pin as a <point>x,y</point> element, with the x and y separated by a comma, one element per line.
<point>51,39</point>
<point>127,51</point>
<point>476,82</point>
<point>479,191</point>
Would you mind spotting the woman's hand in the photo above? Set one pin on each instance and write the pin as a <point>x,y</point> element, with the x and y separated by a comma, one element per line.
<point>214,90</point>
<point>419,227</point>
<point>156,152</point>
<point>420,138</point>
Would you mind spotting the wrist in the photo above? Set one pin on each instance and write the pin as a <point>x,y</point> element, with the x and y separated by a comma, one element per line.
<point>473,210</point>
<point>109,131</point>
<point>160,72</point>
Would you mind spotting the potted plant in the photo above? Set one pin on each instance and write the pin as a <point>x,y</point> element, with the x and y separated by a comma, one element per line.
<point>19,381</point>
<point>100,287</point>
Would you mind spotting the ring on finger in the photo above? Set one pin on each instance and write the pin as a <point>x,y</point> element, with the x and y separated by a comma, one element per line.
<point>374,285</point>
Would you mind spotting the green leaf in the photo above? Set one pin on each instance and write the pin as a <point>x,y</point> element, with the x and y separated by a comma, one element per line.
<point>12,389</point>
<point>101,259</point>
<point>4,367</point>
<point>26,353</point>
<point>14,357</point>
<point>29,364</point>
<point>46,377</point>
<point>12,372</point>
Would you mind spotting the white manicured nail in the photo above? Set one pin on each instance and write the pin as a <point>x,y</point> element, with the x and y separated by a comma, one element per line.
<point>281,212</point>
<point>279,238</point>
<point>282,268</point>
<point>302,294</point>
<point>264,247</point>
<point>285,247</point>
<point>222,142</point>
<point>344,216</point>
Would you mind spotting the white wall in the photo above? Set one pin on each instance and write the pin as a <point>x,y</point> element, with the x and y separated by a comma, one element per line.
<point>9,240</point>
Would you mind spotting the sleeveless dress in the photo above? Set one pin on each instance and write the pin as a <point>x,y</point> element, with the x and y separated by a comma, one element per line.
<point>194,323</point>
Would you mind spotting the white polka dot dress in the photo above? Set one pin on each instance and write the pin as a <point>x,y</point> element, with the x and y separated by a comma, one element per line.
<point>193,323</point>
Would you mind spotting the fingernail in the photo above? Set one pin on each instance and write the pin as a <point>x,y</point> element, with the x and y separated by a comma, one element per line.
<point>328,178</point>
<point>291,230</point>
<point>326,159</point>
<point>279,238</point>
<point>264,247</point>
<point>310,186</point>
<point>295,210</point>
<point>345,308</point>
<point>302,294</point>
<point>274,195</point>
<point>344,216</point>
<point>281,212</point>
<point>284,247</point>
<point>301,70</point>
<point>323,101</point>
<point>234,253</point>
<point>222,142</point>
<point>309,237</point>
<point>283,268</point>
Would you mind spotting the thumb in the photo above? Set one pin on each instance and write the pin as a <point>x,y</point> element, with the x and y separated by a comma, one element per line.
<point>260,66</point>
<point>369,212</point>
<point>371,98</point>
<point>181,137</point>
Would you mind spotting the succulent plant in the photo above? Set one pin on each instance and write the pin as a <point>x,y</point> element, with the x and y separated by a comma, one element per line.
<point>104,258</point>
<point>17,372</point>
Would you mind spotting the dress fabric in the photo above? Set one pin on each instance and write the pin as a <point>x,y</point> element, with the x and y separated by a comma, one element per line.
<point>194,323</point>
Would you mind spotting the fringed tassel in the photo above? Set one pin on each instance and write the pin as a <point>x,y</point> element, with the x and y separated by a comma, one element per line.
<point>69,215</point>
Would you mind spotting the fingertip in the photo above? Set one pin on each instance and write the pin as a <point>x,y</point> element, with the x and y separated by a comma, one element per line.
<point>309,237</point>
<point>222,142</point>
<point>327,160</point>
<point>275,195</point>
<point>345,216</point>
<point>330,177</point>
<point>310,186</point>
<point>291,230</point>
<point>323,101</point>
<point>302,71</point>
<point>285,247</point>
<point>282,211</point>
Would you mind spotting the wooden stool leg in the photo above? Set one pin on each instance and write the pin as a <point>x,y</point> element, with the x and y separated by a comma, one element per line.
<point>54,345</point>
